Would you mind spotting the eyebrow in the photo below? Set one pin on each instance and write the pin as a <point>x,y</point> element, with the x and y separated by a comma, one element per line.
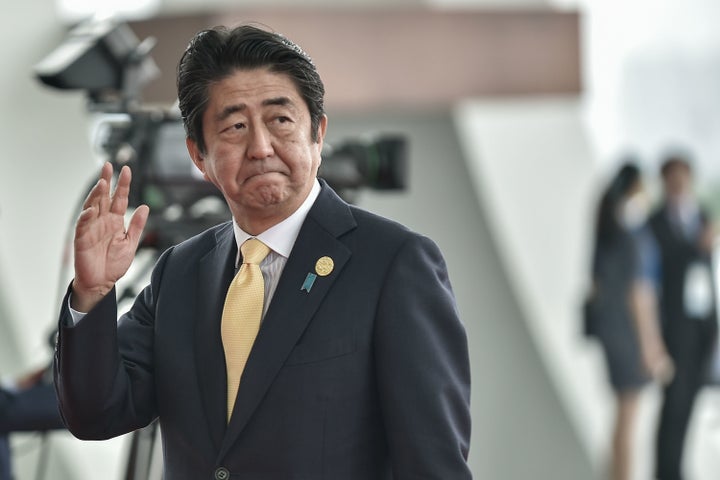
<point>280,101</point>
<point>239,107</point>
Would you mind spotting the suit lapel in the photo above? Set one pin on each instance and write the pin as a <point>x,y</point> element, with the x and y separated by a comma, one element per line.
<point>292,307</point>
<point>216,270</point>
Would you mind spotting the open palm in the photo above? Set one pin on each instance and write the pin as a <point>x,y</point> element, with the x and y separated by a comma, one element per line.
<point>104,248</point>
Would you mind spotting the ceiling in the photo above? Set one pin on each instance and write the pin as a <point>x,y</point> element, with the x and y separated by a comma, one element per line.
<point>197,6</point>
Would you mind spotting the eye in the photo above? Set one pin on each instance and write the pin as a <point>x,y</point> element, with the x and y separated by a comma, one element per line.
<point>233,130</point>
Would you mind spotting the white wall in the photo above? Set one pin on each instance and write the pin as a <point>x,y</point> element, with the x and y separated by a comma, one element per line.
<point>44,162</point>
<point>531,164</point>
<point>45,165</point>
<point>652,69</point>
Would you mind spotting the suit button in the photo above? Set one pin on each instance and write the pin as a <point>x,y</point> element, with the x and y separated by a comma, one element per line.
<point>222,473</point>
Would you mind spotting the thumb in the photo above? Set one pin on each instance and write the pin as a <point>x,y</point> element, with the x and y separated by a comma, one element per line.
<point>137,224</point>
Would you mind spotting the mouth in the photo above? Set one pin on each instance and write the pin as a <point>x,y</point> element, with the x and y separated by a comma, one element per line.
<point>261,175</point>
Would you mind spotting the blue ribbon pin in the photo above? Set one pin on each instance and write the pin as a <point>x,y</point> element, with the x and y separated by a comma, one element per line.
<point>309,281</point>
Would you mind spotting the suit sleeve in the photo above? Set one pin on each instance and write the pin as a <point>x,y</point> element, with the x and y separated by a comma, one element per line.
<point>423,368</point>
<point>103,367</point>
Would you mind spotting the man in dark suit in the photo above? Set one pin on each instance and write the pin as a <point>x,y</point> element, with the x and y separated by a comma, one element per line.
<point>687,307</point>
<point>359,370</point>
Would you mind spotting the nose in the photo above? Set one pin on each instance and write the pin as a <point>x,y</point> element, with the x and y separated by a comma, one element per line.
<point>259,143</point>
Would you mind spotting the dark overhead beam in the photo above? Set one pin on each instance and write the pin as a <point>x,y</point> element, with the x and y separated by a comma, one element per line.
<point>406,59</point>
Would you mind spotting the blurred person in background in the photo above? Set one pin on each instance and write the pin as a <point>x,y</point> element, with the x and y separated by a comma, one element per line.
<point>5,468</point>
<point>27,404</point>
<point>623,299</point>
<point>685,237</point>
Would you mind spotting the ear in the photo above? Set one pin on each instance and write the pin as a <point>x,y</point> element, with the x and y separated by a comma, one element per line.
<point>197,157</point>
<point>322,129</point>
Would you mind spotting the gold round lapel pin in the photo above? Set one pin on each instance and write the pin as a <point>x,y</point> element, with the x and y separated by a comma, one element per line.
<point>324,266</point>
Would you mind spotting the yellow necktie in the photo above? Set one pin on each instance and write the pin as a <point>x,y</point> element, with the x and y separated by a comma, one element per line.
<point>241,315</point>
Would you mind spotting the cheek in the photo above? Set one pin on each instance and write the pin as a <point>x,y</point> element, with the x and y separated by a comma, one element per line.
<point>210,176</point>
<point>216,171</point>
<point>223,163</point>
<point>311,155</point>
<point>303,170</point>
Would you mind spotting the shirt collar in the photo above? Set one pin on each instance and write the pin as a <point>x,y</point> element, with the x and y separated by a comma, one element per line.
<point>281,237</point>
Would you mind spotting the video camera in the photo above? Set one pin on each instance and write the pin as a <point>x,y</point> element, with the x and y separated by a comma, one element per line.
<point>108,62</point>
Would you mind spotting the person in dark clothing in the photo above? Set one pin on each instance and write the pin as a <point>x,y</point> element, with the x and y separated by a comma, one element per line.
<point>684,236</point>
<point>5,468</point>
<point>28,405</point>
<point>338,352</point>
<point>624,302</point>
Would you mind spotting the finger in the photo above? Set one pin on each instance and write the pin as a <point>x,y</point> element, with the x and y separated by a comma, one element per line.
<point>84,227</point>
<point>106,171</point>
<point>98,191</point>
<point>137,224</point>
<point>85,217</point>
<point>105,181</point>
<point>122,190</point>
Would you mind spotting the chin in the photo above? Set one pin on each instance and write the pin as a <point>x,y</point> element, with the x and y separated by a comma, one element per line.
<point>268,195</point>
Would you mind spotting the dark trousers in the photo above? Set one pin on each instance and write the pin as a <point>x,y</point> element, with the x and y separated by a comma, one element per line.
<point>691,351</point>
<point>5,472</point>
<point>34,409</point>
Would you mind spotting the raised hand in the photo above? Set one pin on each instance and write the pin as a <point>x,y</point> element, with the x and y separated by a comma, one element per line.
<point>104,248</point>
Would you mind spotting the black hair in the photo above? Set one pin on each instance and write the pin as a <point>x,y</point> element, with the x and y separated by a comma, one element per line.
<point>673,159</point>
<point>625,180</point>
<point>216,53</point>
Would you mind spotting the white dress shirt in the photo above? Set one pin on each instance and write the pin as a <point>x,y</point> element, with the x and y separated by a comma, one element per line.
<point>281,240</point>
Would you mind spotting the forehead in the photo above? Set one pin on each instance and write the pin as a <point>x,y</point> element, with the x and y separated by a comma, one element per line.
<point>251,89</point>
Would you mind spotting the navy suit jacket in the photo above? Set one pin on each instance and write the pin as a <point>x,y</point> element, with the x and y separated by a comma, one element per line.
<point>677,252</point>
<point>364,377</point>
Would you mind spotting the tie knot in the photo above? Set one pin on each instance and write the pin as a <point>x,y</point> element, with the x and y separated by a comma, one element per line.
<point>254,251</point>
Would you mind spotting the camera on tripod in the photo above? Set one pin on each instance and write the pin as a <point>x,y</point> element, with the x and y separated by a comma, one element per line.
<point>108,62</point>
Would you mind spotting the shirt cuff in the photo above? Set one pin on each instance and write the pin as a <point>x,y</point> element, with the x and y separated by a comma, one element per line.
<point>74,314</point>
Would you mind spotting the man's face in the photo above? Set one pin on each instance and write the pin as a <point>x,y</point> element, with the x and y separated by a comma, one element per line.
<point>260,152</point>
<point>677,182</point>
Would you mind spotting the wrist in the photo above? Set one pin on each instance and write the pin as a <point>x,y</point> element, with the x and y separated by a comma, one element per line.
<point>85,299</point>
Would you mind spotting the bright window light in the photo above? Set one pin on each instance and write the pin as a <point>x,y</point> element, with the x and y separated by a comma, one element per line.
<point>73,11</point>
